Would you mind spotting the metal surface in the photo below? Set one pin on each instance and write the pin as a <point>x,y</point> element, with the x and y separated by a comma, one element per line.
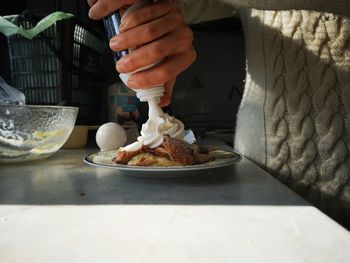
<point>62,210</point>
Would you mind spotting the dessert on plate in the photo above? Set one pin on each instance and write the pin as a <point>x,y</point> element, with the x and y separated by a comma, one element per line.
<point>162,144</point>
<point>172,152</point>
<point>162,141</point>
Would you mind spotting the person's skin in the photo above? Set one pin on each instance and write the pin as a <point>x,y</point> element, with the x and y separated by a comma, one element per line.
<point>162,33</point>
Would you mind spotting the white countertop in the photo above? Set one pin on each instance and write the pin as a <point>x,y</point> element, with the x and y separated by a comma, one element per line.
<point>62,210</point>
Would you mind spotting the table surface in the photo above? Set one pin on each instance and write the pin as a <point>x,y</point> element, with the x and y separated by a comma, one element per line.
<point>62,210</point>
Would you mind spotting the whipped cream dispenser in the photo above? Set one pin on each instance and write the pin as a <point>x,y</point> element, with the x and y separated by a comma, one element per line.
<point>151,95</point>
<point>158,123</point>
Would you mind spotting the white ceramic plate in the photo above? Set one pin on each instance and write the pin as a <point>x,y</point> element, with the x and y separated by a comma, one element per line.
<point>104,159</point>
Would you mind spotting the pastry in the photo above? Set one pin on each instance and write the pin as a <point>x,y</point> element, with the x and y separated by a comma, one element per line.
<point>172,152</point>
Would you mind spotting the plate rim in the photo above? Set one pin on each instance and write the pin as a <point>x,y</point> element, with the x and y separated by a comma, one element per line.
<point>197,167</point>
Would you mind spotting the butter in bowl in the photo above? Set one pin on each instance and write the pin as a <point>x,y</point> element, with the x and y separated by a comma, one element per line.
<point>79,137</point>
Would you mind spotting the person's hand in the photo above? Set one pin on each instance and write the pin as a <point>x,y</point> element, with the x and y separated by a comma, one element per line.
<point>101,8</point>
<point>160,32</point>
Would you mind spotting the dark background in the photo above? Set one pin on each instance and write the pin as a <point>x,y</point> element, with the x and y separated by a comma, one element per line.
<point>206,96</point>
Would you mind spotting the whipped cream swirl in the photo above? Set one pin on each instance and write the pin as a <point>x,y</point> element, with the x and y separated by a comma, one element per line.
<point>153,130</point>
<point>157,125</point>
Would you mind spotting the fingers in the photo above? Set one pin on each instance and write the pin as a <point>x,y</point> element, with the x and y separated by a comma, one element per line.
<point>91,2</point>
<point>145,33</point>
<point>154,51</point>
<point>102,8</point>
<point>147,14</point>
<point>160,33</point>
<point>168,69</point>
<point>166,99</point>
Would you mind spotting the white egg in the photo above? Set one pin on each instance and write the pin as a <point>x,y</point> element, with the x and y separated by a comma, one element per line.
<point>110,136</point>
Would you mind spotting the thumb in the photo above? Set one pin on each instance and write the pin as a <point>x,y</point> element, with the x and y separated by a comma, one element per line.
<point>166,99</point>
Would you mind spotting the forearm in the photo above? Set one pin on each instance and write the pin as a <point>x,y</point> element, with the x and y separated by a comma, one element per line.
<point>196,11</point>
<point>341,7</point>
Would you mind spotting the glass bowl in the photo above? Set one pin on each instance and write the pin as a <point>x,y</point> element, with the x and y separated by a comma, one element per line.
<point>30,132</point>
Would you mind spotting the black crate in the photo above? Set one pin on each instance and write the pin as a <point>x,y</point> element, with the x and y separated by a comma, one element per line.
<point>59,66</point>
